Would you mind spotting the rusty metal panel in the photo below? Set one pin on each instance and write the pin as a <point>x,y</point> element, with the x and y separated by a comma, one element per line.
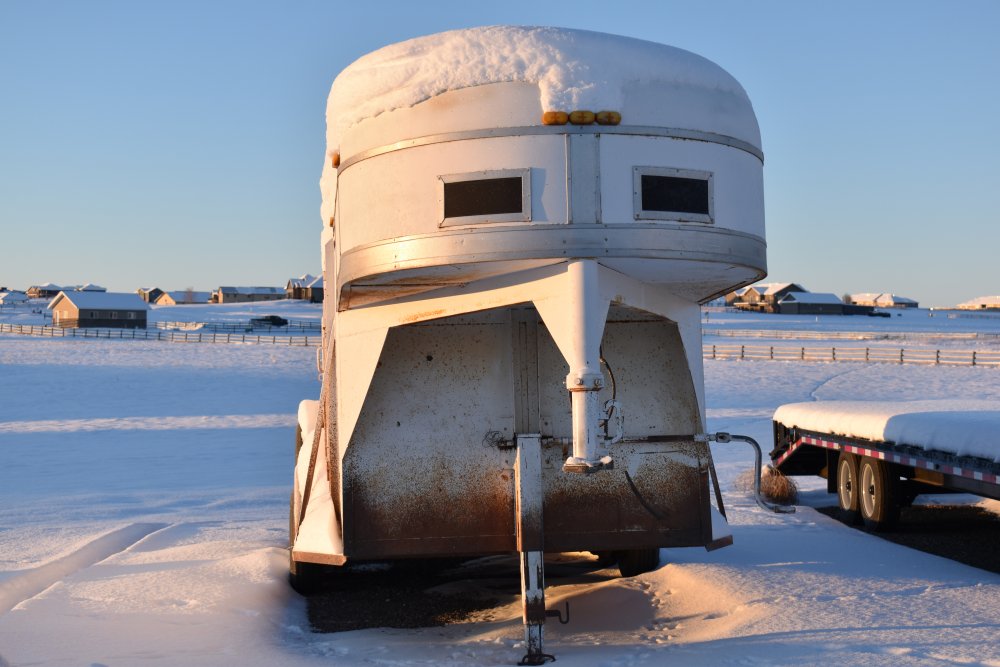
<point>657,495</point>
<point>429,468</point>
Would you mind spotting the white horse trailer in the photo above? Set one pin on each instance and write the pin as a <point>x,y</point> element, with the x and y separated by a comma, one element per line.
<point>520,225</point>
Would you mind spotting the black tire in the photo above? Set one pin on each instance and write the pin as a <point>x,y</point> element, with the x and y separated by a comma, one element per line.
<point>848,488</point>
<point>637,561</point>
<point>878,491</point>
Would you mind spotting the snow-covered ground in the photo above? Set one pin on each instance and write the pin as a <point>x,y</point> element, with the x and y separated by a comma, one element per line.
<point>143,518</point>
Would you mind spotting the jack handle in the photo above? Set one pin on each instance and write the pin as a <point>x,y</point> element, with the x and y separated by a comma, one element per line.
<point>728,437</point>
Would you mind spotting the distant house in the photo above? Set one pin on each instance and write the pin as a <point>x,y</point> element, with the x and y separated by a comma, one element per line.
<point>149,294</point>
<point>98,309</point>
<point>810,303</point>
<point>183,297</point>
<point>12,297</point>
<point>247,294</point>
<point>882,300</point>
<point>314,290</point>
<point>44,291</point>
<point>763,297</point>
<point>295,288</point>
<point>90,287</point>
<point>736,296</point>
<point>981,303</point>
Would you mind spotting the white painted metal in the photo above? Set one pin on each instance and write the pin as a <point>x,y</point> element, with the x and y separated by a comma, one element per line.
<point>422,314</point>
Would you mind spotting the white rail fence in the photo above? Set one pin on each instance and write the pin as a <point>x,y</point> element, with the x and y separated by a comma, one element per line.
<point>790,334</point>
<point>856,354</point>
<point>167,336</point>
<point>709,351</point>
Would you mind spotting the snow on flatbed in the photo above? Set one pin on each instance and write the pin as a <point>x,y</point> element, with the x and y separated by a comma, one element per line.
<point>960,427</point>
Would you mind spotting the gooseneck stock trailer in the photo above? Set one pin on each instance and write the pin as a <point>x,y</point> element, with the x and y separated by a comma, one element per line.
<point>520,225</point>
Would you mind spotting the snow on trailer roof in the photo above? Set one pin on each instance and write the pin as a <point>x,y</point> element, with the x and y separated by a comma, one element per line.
<point>960,427</point>
<point>573,69</point>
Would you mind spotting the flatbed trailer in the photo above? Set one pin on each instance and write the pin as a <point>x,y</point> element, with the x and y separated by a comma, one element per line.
<point>872,477</point>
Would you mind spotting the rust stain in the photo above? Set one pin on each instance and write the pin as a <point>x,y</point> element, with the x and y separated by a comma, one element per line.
<point>424,315</point>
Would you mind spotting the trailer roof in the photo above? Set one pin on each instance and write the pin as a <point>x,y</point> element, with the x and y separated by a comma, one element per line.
<point>574,69</point>
<point>960,427</point>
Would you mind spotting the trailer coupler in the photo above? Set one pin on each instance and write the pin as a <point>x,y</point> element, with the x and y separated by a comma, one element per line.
<point>725,438</point>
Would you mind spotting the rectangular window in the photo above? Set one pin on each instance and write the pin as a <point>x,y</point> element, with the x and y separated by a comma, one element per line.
<point>114,315</point>
<point>131,316</point>
<point>682,195</point>
<point>502,195</point>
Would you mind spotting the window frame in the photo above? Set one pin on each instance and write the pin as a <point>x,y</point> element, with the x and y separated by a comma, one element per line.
<point>524,215</point>
<point>674,216</point>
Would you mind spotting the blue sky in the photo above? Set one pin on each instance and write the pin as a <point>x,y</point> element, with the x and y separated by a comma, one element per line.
<point>180,143</point>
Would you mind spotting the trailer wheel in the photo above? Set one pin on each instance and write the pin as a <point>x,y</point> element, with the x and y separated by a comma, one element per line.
<point>848,487</point>
<point>878,494</point>
<point>636,561</point>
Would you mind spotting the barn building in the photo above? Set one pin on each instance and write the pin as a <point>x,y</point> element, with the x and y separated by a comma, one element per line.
<point>247,294</point>
<point>810,303</point>
<point>182,297</point>
<point>883,300</point>
<point>98,309</point>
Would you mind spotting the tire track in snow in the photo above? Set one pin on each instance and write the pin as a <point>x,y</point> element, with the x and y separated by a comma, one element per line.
<point>836,376</point>
<point>31,582</point>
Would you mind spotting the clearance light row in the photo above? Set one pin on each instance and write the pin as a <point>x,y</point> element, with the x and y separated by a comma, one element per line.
<point>581,118</point>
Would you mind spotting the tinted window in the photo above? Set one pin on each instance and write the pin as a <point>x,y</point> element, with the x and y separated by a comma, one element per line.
<point>487,196</point>
<point>673,194</point>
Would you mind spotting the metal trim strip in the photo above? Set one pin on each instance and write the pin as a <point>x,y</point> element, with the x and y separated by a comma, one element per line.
<point>557,242</point>
<point>556,130</point>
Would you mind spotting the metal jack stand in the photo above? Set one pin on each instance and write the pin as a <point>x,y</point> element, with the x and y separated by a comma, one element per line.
<point>530,544</point>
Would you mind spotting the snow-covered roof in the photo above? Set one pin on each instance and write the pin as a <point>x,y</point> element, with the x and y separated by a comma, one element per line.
<point>187,296</point>
<point>774,288</point>
<point>103,300</point>
<point>316,283</point>
<point>811,297</point>
<point>982,302</point>
<point>47,286</point>
<point>880,299</point>
<point>90,287</point>
<point>251,290</point>
<point>962,427</point>
<point>13,296</point>
<point>573,69</point>
<point>302,281</point>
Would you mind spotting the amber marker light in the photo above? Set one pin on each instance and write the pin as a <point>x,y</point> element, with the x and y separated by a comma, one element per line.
<point>335,159</point>
<point>608,117</point>
<point>555,118</point>
<point>581,117</point>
